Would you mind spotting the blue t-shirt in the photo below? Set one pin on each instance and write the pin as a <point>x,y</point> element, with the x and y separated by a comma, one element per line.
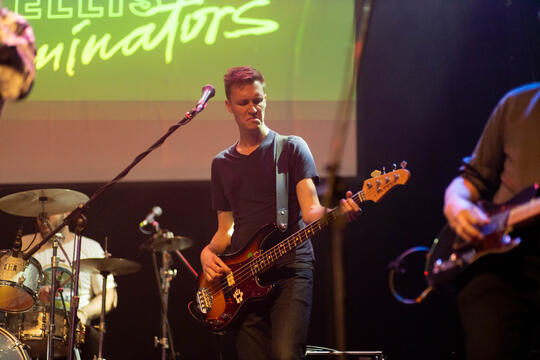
<point>246,185</point>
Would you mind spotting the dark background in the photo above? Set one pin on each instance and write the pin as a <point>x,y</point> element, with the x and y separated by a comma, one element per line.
<point>433,71</point>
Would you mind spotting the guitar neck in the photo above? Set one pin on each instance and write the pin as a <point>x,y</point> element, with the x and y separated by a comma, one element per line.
<point>270,256</point>
<point>524,212</point>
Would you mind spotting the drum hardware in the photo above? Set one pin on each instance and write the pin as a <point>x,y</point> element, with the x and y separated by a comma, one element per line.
<point>32,203</point>
<point>11,348</point>
<point>56,238</point>
<point>107,266</point>
<point>19,282</point>
<point>165,242</point>
<point>77,215</point>
<point>32,327</point>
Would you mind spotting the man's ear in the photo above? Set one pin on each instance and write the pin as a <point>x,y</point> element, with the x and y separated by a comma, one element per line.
<point>228,105</point>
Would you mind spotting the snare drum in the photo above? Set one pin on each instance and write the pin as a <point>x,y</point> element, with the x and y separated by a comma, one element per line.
<point>31,328</point>
<point>19,281</point>
<point>11,348</point>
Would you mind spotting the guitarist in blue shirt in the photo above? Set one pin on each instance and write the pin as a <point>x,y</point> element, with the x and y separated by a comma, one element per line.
<point>499,304</point>
<point>244,196</point>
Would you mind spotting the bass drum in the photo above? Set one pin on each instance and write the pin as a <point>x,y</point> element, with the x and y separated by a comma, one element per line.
<point>11,348</point>
<point>31,328</point>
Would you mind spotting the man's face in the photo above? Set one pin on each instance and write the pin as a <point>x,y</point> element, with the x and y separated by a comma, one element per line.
<point>54,221</point>
<point>247,103</point>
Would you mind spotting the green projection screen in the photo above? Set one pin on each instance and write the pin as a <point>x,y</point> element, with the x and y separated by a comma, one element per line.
<point>113,75</point>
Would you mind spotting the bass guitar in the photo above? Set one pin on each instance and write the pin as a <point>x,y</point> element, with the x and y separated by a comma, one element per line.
<point>218,303</point>
<point>450,255</point>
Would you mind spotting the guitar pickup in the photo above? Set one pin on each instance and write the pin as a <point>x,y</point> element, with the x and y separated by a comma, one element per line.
<point>230,279</point>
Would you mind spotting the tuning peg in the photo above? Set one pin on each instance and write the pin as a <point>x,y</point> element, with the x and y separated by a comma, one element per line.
<point>394,166</point>
<point>384,169</point>
<point>403,164</point>
<point>375,173</point>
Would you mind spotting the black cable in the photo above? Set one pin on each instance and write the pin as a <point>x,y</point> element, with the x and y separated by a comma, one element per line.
<point>397,266</point>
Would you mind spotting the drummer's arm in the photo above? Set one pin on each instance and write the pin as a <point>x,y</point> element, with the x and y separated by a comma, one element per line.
<point>93,309</point>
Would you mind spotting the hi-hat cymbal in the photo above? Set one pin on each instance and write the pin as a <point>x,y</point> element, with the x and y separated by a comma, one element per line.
<point>168,242</point>
<point>111,265</point>
<point>34,202</point>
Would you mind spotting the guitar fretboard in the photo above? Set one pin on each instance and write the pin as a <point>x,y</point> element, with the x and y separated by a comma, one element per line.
<point>270,256</point>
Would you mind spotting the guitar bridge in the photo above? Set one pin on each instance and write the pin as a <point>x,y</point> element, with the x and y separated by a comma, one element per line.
<point>204,300</point>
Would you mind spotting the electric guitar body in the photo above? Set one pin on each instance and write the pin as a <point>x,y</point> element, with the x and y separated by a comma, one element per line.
<point>451,257</point>
<point>240,286</point>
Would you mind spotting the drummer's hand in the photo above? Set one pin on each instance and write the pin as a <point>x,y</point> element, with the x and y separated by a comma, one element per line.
<point>45,294</point>
<point>82,316</point>
<point>212,265</point>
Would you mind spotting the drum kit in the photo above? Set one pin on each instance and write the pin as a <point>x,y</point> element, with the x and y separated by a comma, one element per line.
<point>25,326</point>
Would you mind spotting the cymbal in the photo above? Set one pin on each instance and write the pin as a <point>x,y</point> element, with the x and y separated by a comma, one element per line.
<point>168,242</point>
<point>33,202</point>
<point>111,265</point>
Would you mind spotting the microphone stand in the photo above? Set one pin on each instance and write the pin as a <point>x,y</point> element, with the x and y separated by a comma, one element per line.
<point>77,215</point>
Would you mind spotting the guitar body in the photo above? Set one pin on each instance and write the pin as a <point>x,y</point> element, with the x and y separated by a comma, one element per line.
<point>230,294</point>
<point>451,256</point>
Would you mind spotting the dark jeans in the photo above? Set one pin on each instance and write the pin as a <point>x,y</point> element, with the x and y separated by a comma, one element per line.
<point>500,310</point>
<point>276,328</point>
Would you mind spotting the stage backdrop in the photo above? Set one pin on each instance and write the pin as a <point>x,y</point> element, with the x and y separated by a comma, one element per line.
<point>113,75</point>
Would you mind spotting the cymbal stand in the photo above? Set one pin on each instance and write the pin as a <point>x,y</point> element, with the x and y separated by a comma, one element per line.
<point>56,243</point>
<point>102,330</point>
<point>104,274</point>
<point>80,221</point>
<point>167,274</point>
<point>54,265</point>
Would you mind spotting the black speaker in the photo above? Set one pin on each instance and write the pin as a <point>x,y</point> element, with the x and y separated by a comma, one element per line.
<point>328,354</point>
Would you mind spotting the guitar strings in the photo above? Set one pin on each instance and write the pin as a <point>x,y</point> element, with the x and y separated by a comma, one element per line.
<point>246,271</point>
<point>243,273</point>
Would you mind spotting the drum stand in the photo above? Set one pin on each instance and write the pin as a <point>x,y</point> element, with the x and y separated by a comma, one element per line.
<point>167,274</point>
<point>104,274</point>
<point>56,238</point>
<point>54,265</point>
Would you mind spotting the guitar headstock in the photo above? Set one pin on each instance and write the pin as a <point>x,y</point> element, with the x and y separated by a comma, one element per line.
<point>381,182</point>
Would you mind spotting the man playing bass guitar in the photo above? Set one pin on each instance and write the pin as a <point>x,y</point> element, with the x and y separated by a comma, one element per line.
<point>244,196</point>
<point>499,305</point>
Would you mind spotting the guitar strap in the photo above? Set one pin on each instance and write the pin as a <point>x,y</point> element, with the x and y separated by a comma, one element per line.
<point>282,182</point>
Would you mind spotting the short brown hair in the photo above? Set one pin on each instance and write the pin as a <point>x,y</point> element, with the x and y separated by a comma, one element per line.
<point>241,75</point>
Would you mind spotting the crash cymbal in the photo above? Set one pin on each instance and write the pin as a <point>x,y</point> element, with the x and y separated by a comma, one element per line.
<point>168,242</point>
<point>33,202</point>
<point>111,265</point>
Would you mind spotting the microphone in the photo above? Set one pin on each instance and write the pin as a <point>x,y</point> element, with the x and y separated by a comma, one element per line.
<point>156,211</point>
<point>208,92</point>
